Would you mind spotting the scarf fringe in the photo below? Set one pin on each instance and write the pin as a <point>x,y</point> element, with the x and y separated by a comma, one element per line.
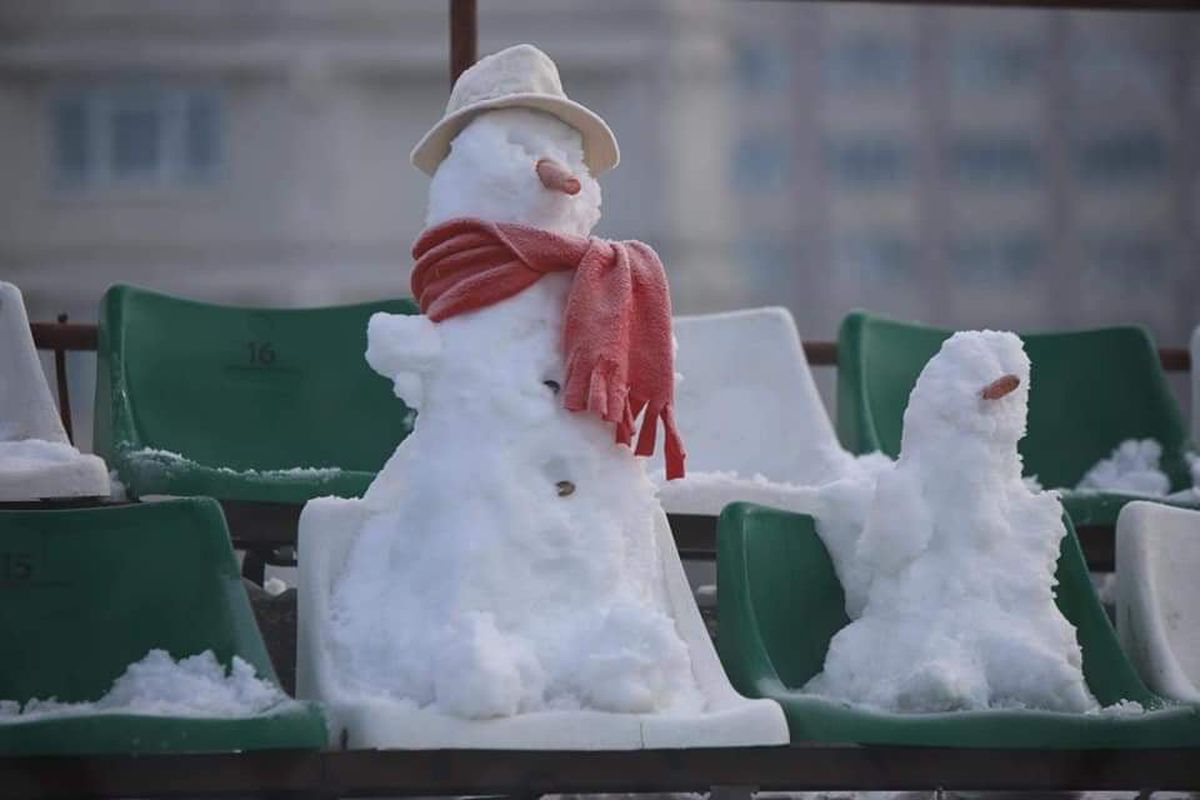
<point>595,388</point>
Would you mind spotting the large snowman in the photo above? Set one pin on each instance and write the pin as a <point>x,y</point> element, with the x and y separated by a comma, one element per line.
<point>508,563</point>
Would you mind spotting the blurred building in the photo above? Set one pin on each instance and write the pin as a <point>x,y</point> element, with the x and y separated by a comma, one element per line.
<point>967,167</point>
<point>257,152</point>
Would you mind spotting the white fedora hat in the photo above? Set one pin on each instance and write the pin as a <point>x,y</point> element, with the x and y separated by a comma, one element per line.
<point>524,77</point>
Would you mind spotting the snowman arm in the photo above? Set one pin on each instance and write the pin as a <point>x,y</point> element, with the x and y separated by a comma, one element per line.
<point>404,348</point>
<point>898,526</point>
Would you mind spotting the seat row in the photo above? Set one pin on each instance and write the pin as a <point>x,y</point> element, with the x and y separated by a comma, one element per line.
<point>274,407</point>
<point>85,592</point>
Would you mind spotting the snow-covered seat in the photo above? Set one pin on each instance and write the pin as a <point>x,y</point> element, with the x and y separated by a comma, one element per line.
<point>1158,596</point>
<point>327,529</point>
<point>746,406</point>
<point>37,460</point>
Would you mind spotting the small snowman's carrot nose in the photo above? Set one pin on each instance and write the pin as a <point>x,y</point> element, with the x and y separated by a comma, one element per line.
<point>554,175</point>
<point>1000,387</point>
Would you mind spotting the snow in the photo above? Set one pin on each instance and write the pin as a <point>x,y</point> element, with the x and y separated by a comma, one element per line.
<point>950,584</point>
<point>489,174</point>
<point>33,469</point>
<point>30,454</point>
<point>477,586</point>
<point>155,459</point>
<point>1133,468</point>
<point>157,685</point>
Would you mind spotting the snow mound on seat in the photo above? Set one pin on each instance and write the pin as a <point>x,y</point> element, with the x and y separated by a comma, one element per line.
<point>157,685</point>
<point>1132,468</point>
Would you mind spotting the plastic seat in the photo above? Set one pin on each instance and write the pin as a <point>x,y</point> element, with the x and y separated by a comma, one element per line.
<point>1091,391</point>
<point>86,592</point>
<point>1196,387</point>
<point>747,402</point>
<point>272,405</point>
<point>781,603</point>
<point>1158,596</point>
<point>327,530</point>
<point>37,460</point>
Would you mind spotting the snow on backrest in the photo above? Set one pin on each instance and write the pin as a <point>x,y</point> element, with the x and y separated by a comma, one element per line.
<point>747,402</point>
<point>27,409</point>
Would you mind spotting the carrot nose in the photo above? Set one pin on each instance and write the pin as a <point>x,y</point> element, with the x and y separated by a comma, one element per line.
<point>554,175</point>
<point>1000,387</point>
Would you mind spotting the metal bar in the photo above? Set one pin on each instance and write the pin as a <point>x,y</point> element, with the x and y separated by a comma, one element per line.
<point>464,36</point>
<point>821,354</point>
<point>1099,5</point>
<point>275,773</point>
<point>812,767</point>
<point>64,391</point>
<point>51,335</point>
<point>67,336</point>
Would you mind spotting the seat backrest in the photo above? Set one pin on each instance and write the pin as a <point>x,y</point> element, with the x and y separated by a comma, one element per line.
<point>1196,387</point>
<point>798,603</point>
<point>1090,390</point>
<point>244,388</point>
<point>86,592</point>
<point>27,409</point>
<point>747,402</point>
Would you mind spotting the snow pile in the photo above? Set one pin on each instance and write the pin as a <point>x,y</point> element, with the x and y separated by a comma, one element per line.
<point>1133,468</point>
<point>509,564</point>
<point>950,584</point>
<point>196,686</point>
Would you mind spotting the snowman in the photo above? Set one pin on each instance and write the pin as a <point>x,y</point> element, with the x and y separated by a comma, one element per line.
<point>950,585</point>
<point>508,562</point>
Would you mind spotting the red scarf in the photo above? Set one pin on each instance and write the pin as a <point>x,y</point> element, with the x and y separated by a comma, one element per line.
<point>617,325</point>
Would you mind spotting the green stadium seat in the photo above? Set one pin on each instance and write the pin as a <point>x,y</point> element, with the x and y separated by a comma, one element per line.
<point>250,404</point>
<point>1090,391</point>
<point>86,592</point>
<point>780,603</point>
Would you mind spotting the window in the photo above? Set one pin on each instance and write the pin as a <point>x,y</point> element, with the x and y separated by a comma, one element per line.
<point>993,161</point>
<point>760,162</point>
<point>1003,259</point>
<point>1122,157</point>
<point>868,161</point>
<point>132,134</point>
<point>867,60</point>
<point>762,66</point>
<point>883,257</point>
<point>994,63</point>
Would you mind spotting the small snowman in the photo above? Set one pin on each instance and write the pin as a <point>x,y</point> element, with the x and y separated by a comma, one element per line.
<point>509,563</point>
<point>950,586</point>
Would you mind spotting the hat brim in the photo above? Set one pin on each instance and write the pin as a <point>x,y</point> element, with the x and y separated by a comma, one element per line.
<point>600,151</point>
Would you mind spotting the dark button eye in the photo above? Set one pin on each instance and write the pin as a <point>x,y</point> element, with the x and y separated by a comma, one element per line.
<point>565,488</point>
<point>553,386</point>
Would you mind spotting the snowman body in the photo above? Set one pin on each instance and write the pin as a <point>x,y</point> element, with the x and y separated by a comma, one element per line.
<point>509,563</point>
<point>952,600</point>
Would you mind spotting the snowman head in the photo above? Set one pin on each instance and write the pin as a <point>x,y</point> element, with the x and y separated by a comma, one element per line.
<point>517,165</point>
<point>973,393</point>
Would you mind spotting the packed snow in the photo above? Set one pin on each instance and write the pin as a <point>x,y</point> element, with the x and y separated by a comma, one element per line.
<point>950,584</point>
<point>157,685</point>
<point>509,564</point>
<point>32,454</point>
